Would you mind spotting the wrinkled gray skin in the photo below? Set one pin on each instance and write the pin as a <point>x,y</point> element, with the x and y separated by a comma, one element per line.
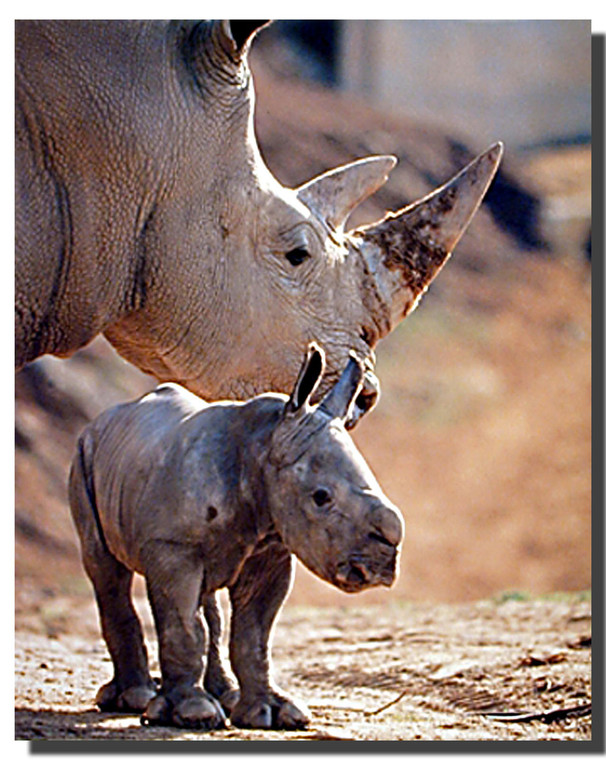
<point>144,211</point>
<point>198,497</point>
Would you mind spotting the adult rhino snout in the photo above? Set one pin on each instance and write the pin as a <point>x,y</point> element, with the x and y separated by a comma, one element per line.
<point>374,562</point>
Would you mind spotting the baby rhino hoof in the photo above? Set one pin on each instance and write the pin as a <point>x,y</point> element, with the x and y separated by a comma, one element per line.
<point>272,712</point>
<point>134,699</point>
<point>228,700</point>
<point>197,710</point>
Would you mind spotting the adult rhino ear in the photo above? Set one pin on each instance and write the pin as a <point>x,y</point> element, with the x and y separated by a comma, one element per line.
<point>309,376</point>
<point>216,51</point>
<point>241,32</point>
<point>338,402</point>
<point>336,193</point>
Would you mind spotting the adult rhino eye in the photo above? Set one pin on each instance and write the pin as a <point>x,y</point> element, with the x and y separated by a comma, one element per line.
<point>297,256</point>
<point>322,497</point>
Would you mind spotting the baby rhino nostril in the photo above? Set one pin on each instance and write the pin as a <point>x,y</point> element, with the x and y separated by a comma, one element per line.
<point>388,525</point>
<point>380,538</point>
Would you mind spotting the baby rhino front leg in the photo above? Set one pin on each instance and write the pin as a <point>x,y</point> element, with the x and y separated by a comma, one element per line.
<point>256,598</point>
<point>173,584</point>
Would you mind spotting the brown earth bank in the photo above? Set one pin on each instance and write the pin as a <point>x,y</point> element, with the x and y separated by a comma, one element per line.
<point>482,438</point>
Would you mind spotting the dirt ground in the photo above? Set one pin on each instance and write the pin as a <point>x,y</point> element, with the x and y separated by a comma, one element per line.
<point>501,670</point>
<point>482,438</point>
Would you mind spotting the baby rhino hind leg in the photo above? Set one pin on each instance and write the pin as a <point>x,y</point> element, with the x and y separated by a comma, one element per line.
<point>216,680</point>
<point>131,688</point>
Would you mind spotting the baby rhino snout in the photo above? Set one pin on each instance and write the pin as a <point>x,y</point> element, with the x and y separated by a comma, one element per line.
<point>374,560</point>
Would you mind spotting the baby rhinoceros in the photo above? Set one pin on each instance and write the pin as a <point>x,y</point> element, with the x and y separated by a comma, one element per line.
<point>197,497</point>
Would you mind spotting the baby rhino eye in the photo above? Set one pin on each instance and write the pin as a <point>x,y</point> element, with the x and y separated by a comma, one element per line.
<point>322,497</point>
<point>297,256</point>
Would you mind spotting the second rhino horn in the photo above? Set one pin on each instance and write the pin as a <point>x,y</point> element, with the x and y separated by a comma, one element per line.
<point>336,193</point>
<point>407,248</point>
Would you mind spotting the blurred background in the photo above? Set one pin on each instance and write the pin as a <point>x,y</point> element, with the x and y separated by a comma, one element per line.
<point>482,436</point>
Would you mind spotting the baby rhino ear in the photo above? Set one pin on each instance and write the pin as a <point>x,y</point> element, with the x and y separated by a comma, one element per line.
<point>309,376</point>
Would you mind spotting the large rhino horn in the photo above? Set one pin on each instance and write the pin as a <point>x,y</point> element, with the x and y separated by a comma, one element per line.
<point>334,194</point>
<point>407,248</point>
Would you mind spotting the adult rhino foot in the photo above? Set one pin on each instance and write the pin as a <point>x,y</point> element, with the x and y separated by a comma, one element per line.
<point>195,709</point>
<point>273,711</point>
<point>134,699</point>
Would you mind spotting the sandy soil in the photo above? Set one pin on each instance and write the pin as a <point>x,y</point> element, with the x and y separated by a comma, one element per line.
<point>489,671</point>
<point>482,438</point>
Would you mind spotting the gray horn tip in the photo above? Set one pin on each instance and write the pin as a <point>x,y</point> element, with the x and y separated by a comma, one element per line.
<point>386,162</point>
<point>494,154</point>
<point>380,164</point>
<point>475,179</point>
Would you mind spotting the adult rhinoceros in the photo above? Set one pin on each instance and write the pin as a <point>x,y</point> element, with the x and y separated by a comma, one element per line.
<point>145,212</point>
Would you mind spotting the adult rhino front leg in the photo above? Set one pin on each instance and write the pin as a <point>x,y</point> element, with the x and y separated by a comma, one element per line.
<point>256,598</point>
<point>174,579</point>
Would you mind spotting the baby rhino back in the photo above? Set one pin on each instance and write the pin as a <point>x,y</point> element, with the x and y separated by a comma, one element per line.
<point>122,451</point>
